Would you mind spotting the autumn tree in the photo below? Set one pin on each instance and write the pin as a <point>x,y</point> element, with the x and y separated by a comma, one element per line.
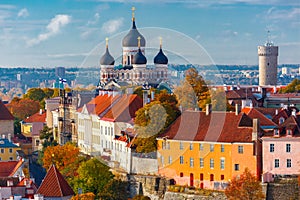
<point>294,86</point>
<point>245,187</point>
<point>92,176</point>
<point>85,196</point>
<point>141,197</point>
<point>153,119</point>
<point>22,108</point>
<point>193,91</point>
<point>66,158</point>
<point>114,190</point>
<point>36,94</point>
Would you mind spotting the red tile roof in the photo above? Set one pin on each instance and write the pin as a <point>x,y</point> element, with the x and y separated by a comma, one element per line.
<point>54,185</point>
<point>37,117</point>
<point>124,109</point>
<point>215,127</point>
<point>4,112</point>
<point>9,168</point>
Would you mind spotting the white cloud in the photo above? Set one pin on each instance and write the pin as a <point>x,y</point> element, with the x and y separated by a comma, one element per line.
<point>23,13</point>
<point>53,28</point>
<point>113,25</point>
<point>95,20</point>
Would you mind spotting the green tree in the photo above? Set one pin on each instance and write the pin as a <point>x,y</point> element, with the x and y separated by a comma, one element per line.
<point>48,92</point>
<point>36,94</point>
<point>46,134</point>
<point>114,190</point>
<point>17,125</point>
<point>245,187</point>
<point>93,176</point>
<point>141,197</point>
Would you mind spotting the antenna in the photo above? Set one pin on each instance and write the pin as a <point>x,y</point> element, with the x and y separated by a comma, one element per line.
<point>269,41</point>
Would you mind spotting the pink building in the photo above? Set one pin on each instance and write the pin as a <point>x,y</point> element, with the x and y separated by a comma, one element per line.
<point>281,153</point>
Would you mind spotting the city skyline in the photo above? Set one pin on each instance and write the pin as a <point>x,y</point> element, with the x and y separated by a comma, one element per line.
<point>63,33</point>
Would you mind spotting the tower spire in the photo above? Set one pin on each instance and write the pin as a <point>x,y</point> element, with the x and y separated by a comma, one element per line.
<point>160,42</point>
<point>139,41</point>
<point>269,42</point>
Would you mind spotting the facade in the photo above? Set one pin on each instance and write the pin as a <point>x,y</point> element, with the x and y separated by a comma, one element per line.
<point>134,70</point>
<point>197,151</point>
<point>6,121</point>
<point>8,150</point>
<point>102,123</point>
<point>31,128</point>
<point>281,155</point>
<point>267,63</point>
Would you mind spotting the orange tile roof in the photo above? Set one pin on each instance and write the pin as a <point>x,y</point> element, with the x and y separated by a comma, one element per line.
<point>124,109</point>
<point>215,127</point>
<point>54,185</point>
<point>254,113</point>
<point>37,117</point>
<point>4,112</point>
<point>9,168</point>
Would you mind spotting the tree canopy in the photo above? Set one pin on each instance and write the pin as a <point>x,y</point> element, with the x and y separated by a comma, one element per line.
<point>293,87</point>
<point>22,108</point>
<point>245,187</point>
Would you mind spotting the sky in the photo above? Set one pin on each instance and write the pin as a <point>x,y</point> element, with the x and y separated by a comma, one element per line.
<point>50,33</point>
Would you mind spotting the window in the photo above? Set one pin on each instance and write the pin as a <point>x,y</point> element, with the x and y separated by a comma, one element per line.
<point>37,143</point>
<point>222,163</point>
<point>288,148</point>
<point>281,120</point>
<point>201,177</point>
<point>108,130</point>
<point>211,163</point>
<point>288,163</point>
<point>181,174</point>
<point>289,132</point>
<point>101,129</point>
<point>222,148</point>
<point>181,145</point>
<point>10,158</point>
<point>10,150</point>
<point>162,160</point>
<point>105,130</point>
<point>168,145</point>
<point>276,132</point>
<point>191,146</point>
<point>170,159</point>
<point>212,148</point>
<point>201,147</point>
<point>236,167</point>
<point>191,162</point>
<point>276,163</point>
<point>181,159</point>
<point>222,177</point>
<point>2,150</point>
<point>240,149</point>
<point>111,130</point>
<point>163,144</point>
<point>201,162</point>
<point>271,147</point>
<point>211,177</point>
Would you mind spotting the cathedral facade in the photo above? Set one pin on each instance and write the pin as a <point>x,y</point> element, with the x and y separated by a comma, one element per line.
<point>135,70</point>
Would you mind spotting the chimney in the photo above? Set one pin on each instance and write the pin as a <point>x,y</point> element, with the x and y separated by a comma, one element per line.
<point>41,111</point>
<point>145,97</point>
<point>255,131</point>
<point>152,95</point>
<point>208,109</point>
<point>237,109</point>
<point>276,112</point>
<point>9,137</point>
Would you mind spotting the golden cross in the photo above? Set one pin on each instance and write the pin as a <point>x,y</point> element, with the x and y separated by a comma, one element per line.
<point>106,41</point>
<point>133,9</point>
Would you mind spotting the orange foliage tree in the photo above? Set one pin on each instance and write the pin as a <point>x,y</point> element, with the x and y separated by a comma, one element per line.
<point>66,158</point>
<point>22,108</point>
<point>246,187</point>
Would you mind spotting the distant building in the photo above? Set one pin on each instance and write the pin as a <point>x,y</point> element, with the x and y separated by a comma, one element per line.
<point>285,71</point>
<point>267,63</point>
<point>60,72</point>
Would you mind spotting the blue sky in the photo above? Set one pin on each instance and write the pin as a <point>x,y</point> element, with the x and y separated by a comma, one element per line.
<point>49,33</point>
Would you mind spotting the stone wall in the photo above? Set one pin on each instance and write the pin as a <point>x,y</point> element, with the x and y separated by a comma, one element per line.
<point>144,165</point>
<point>283,191</point>
<point>7,126</point>
<point>183,196</point>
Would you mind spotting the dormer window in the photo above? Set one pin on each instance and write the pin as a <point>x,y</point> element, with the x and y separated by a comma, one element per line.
<point>281,120</point>
<point>289,132</point>
<point>276,132</point>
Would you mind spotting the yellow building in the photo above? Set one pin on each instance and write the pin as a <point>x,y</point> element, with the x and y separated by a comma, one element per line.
<point>8,150</point>
<point>207,150</point>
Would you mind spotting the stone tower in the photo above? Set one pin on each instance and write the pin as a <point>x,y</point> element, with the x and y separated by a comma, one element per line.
<point>267,63</point>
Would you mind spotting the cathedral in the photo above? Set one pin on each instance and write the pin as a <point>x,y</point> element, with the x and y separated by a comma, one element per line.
<point>134,70</point>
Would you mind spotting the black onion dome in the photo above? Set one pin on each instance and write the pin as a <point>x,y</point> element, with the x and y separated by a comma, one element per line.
<point>107,59</point>
<point>161,58</point>
<point>130,39</point>
<point>139,58</point>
